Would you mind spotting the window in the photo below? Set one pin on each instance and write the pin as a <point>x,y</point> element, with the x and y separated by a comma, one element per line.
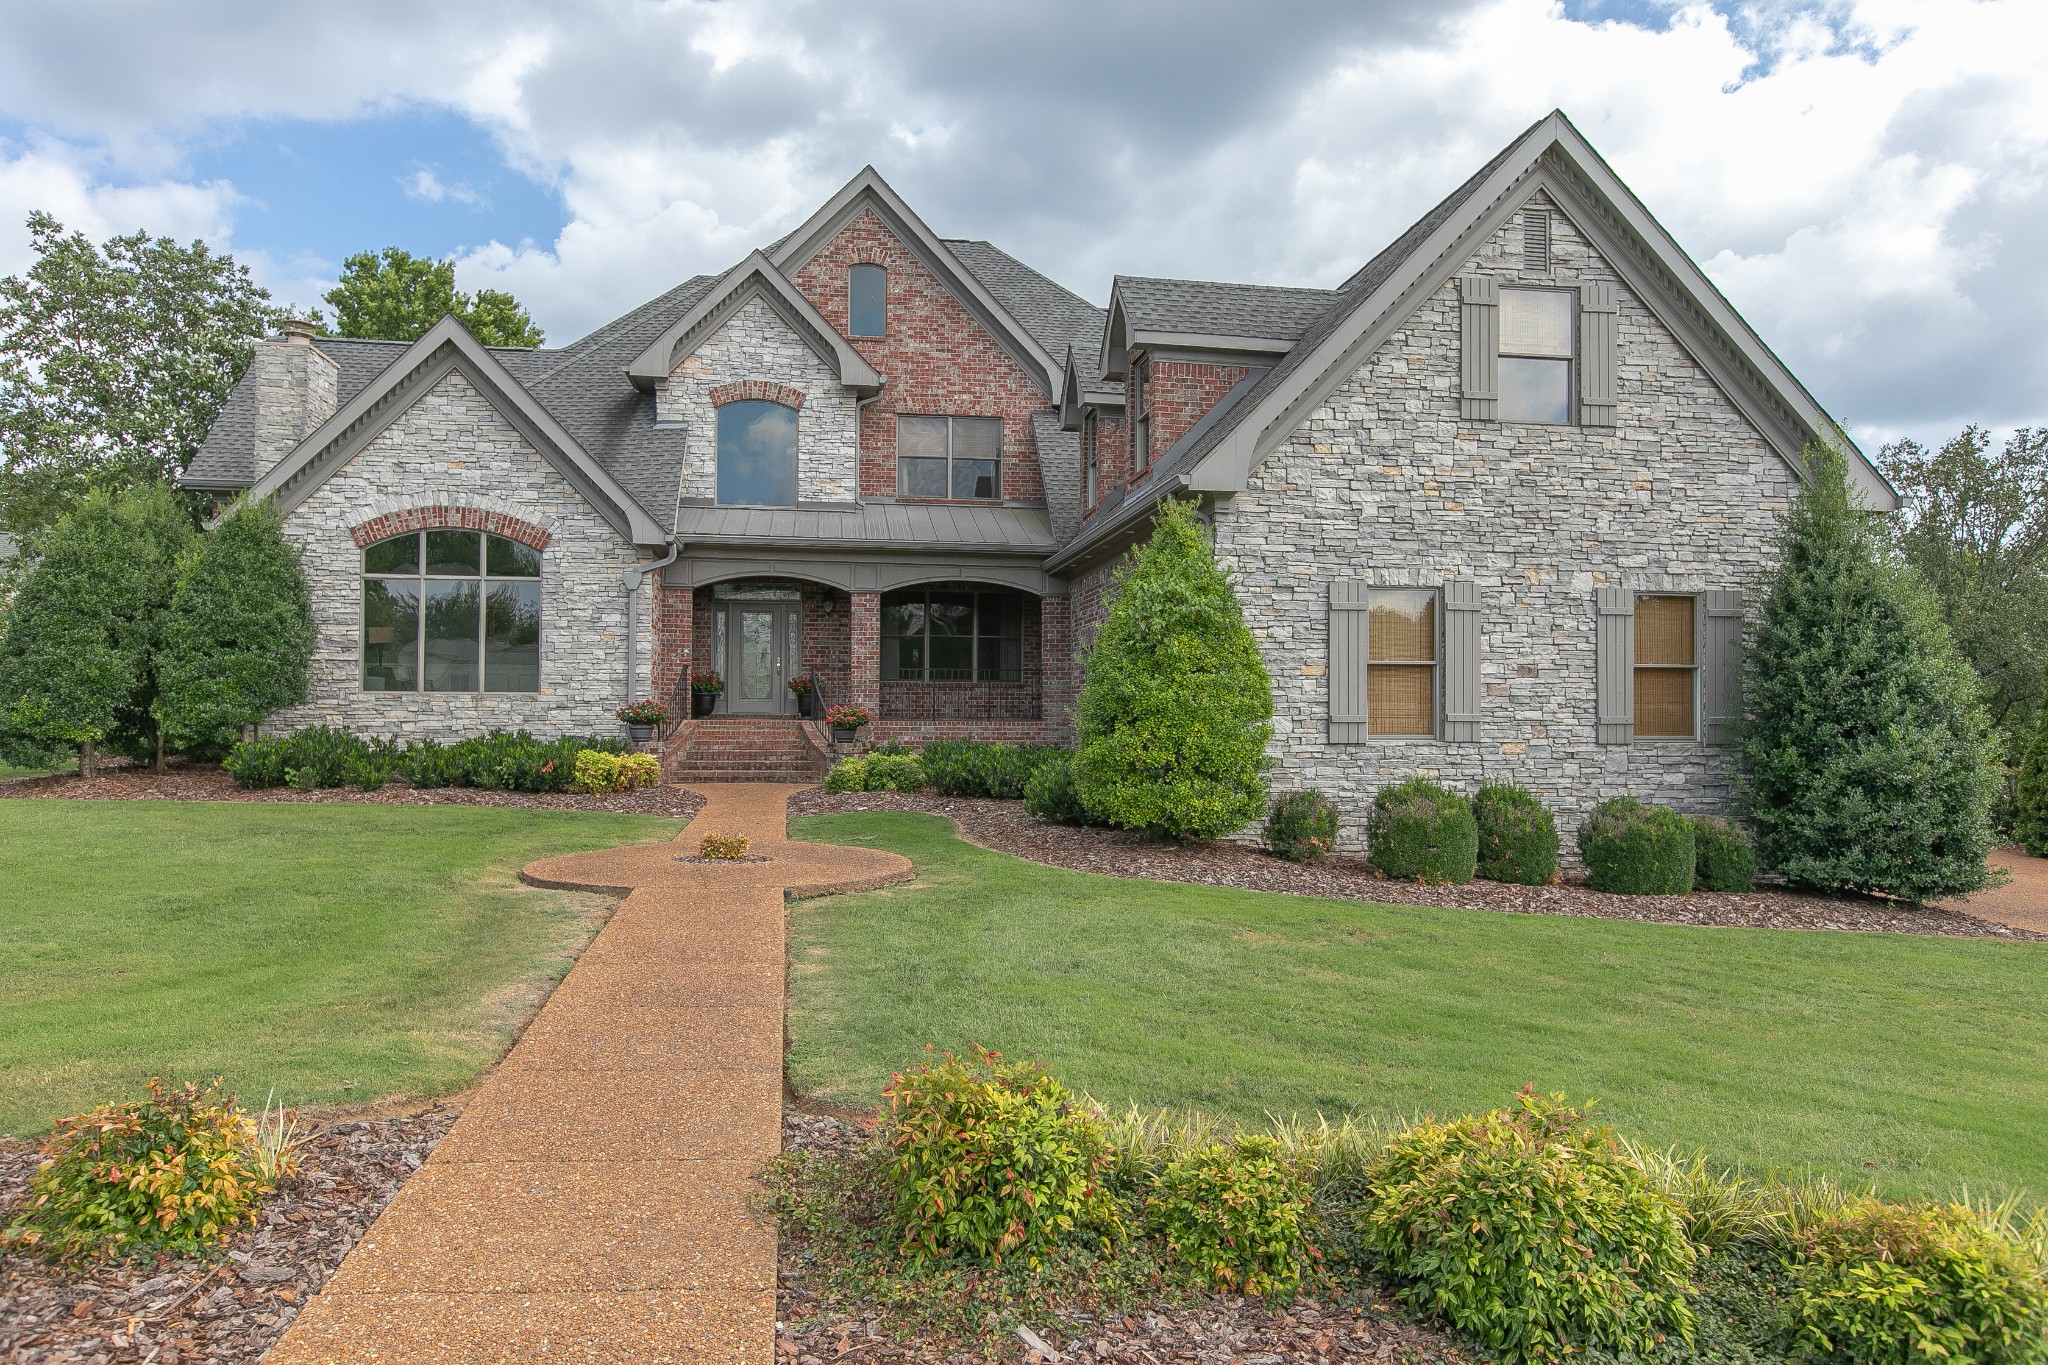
<point>1535,355</point>
<point>949,457</point>
<point>451,611</point>
<point>867,300</point>
<point>952,633</point>
<point>1141,404</point>
<point>1091,458</point>
<point>1535,242</point>
<point>1400,670</point>
<point>1667,660</point>
<point>757,454</point>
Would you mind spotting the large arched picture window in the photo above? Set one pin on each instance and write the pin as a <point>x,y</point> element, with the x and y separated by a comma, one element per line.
<point>451,611</point>
<point>757,454</point>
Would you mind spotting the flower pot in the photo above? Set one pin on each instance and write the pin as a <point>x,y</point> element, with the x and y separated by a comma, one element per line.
<point>702,703</point>
<point>807,705</point>
<point>845,734</point>
<point>639,734</point>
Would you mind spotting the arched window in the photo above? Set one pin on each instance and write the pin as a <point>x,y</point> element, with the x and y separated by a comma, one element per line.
<point>757,454</point>
<point>867,301</point>
<point>451,611</point>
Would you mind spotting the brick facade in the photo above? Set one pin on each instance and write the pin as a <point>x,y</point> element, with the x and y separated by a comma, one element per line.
<point>756,390</point>
<point>1181,393</point>
<point>498,523</point>
<point>1113,459</point>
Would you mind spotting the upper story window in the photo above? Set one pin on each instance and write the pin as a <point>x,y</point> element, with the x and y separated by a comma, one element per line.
<point>1666,667</point>
<point>949,457</point>
<point>1091,458</point>
<point>1401,662</point>
<point>1535,355</point>
<point>867,300</point>
<point>757,454</point>
<point>451,611</point>
<point>952,633</point>
<point>1141,404</point>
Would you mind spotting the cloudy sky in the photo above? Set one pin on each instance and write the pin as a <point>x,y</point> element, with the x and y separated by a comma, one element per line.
<point>1866,179</point>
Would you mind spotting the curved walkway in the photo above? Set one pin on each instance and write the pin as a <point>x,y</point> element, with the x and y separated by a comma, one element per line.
<point>591,1203</point>
<point>2021,903</point>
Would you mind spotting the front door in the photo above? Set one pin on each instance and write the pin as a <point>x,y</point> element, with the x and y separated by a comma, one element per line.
<point>760,647</point>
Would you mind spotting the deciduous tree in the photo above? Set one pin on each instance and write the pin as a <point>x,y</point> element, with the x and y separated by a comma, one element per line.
<point>394,295</point>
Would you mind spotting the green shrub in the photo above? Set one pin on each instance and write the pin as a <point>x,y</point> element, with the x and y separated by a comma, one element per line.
<point>1302,825</point>
<point>1177,707</point>
<point>967,767</point>
<point>502,760</point>
<point>1053,795</point>
<point>990,1159</point>
<point>1528,1228</point>
<point>174,1172</point>
<point>895,773</point>
<point>849,774</point>
<point>2030,790</point>
<point>1421,831</point>
<point>1723,857</point>
<point>1637,850</point>
<point>1517,836</point>
<point>317,756</point>
<point>1238,1214</point>
<point>596,771</point>
<point>1879,1282</point>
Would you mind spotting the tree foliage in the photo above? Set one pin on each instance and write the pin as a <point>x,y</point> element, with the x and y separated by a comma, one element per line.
<point>79,659</point>
<point>1976,527</point>
<point>394,295</point>
<point>240,633</point>
<point>1868,762</point>
<point>114,360</point>
<point>1177,707</point>
<point>2030,810</point>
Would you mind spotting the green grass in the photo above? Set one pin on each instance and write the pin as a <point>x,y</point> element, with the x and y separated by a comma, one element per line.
<point>1917,1064</point>
<point>336,952</point>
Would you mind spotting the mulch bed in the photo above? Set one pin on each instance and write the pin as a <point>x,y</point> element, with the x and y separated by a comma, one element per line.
<point>1006,827</point>
<point>232,1307</point>
<point>1220,1329</point>
<point>204,782</point>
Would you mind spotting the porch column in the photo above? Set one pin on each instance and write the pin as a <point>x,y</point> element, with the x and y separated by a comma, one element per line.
<point>1057,667</point>
<point>674,629</point>
<point>865,663</point>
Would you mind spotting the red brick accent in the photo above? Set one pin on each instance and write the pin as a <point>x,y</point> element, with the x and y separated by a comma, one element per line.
<point>391,524</point>
<point>1059,668</point>
<point>1113,456</point>
<point>828,641</point>
<point>674,633</point>
<point>864,651</point>
<point>757,390</point>
<point>1181,392</point>
<point>938,360</point>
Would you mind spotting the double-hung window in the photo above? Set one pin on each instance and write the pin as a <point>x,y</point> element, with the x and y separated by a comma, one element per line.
<point>451,611</point>
<point>1535,355</point>
<point>1401,662</point>
<point>1666,666</point>
<point>949,457</point>
<point>952,633</point>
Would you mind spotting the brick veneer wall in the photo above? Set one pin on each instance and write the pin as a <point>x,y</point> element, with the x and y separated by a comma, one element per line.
<point>675,651</point>
<point>937,359</point>
<point>1113,442</point>
<point>827,640</point>
<point>1182,392</point>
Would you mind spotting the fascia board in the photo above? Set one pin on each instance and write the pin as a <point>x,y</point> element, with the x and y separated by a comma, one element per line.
<point>1115,323</point>
<point>1213,341</point>
<point>755,277</point>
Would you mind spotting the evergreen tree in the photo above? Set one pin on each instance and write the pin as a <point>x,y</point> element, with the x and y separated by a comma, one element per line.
<point>2030,810</point>
<point>78,662</point>
<point>394,295</point>
<point>1868,763</point>
<point>240,634</point>
<point>1177,708</point>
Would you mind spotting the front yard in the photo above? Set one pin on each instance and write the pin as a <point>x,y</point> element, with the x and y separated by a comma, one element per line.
<point>1919,1064</point>
<point>338,953</point>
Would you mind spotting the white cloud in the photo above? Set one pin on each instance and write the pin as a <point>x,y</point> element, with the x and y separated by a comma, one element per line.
<point>426,184</point>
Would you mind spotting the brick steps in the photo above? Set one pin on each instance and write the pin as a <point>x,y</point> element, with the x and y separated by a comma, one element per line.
<point>745,749</point>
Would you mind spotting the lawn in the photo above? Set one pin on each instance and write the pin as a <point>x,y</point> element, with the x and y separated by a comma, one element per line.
<point>1919,1064</point>
<point>338,953</point>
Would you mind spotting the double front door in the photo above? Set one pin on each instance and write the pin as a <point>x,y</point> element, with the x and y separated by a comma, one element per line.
<point>760,653</point>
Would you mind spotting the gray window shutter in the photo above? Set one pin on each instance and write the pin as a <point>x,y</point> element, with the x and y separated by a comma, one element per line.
<point>1349,624</point>
<point>1479,333</point>
<point>1598,311</point>
<point>1461,660</point>
<point>1614,647</point>
<point>1721,661</point>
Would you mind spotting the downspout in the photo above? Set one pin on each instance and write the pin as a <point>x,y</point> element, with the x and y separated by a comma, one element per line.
<point>632,579</point>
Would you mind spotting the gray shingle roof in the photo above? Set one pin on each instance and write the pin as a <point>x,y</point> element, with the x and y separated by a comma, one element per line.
<point>1059,469</point>
<point>1055,315</point>
<point>883,525</point>
<point>1213,308</point>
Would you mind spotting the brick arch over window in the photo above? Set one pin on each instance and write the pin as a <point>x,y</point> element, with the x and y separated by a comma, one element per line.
<point>757,391</point>
<point>367,533</point>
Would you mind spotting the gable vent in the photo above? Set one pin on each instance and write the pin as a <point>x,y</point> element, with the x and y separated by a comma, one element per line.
<point>1536,242</point>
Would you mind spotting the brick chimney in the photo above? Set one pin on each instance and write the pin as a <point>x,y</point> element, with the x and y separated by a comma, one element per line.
<point>295,390</point>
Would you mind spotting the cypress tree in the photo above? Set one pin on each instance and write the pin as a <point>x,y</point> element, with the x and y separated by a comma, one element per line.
<point>1867,759</point>
<point>78,661</point>
<point>1177,707</point>
<point>240,634</point>
<point>2030,810</point>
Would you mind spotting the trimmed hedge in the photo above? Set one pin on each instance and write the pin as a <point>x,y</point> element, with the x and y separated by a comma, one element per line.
<point>968,767</point>
<point>1053,795</point>
<point>877,772</point>
<point>1423,831</point>
<point>1517,836</point>
<point>1723,857</point>
<point>323,756</point>
<point>1302,826</point>
<point>1637,850</point>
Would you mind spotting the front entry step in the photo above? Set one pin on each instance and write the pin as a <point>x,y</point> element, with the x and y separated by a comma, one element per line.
<point>746,749</point>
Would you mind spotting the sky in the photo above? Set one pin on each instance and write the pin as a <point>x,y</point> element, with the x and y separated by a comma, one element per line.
<point>1867,180</point>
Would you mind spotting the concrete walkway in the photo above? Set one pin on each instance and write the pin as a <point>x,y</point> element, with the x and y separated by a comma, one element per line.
<point>591,1203</point>
<point>2021,903</point>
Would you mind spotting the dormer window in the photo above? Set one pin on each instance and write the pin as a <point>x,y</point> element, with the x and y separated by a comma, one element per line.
<point>867,301</point>
<point>1535,355</point>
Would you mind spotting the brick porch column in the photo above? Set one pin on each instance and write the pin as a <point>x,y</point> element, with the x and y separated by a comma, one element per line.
<point>1056,664</point>
<point>865,664</point>
<point>674,629</point>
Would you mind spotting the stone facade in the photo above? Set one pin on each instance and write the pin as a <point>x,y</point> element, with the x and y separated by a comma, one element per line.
<point>755,345</point>
<point>1386,482</point>
<point>296,390</point>
<point>452,449</point>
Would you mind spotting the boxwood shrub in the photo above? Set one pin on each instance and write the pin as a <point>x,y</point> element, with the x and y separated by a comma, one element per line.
<point>1517,836</point>
<point>1302,826</point>
<point>968,767</point>
<point>1053,795</point>
<point>1422,831</point>
<point>500,760</point>
<point>1723,857</point>
<point>1637,850</point>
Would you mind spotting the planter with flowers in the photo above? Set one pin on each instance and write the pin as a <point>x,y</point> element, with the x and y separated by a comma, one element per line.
<point>846,720</point>
<point>642,719</point>
<point>704,690</point>
<point>805,688</point>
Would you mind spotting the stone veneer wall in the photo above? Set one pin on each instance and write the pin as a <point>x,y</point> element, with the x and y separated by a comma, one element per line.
<point>754,343</point>
<point>296,387</point>
<point>1386,482</point>
<point>452,449</point>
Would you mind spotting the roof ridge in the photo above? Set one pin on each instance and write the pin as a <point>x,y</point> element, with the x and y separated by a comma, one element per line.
<point>1228,284</point>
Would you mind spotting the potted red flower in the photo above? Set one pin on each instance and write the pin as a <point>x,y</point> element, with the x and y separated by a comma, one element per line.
<point>704,690</point>
<point>642,719</point>
<point>806,689</point>
<point>846,720</point>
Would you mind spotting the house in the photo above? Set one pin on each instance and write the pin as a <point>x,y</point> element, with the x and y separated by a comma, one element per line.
<point>1492,503</point>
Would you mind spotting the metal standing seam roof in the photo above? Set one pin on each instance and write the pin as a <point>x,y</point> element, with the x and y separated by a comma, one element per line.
<point>1216,308</point>
<point>873,525</point>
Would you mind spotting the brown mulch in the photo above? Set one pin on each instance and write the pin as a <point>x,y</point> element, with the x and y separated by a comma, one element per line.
<point>205,782</point>
<point>1006,827</point>
<point>812,1328</point>
<point>232,1307</point>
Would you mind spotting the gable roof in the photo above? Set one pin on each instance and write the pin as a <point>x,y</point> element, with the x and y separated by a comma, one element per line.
<point>1205,313</point>
<point>755,277</point>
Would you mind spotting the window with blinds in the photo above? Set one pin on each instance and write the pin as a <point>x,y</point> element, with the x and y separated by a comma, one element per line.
<point>1401,662</point>
<point>1535,355</point>
<point>1666,667</point>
